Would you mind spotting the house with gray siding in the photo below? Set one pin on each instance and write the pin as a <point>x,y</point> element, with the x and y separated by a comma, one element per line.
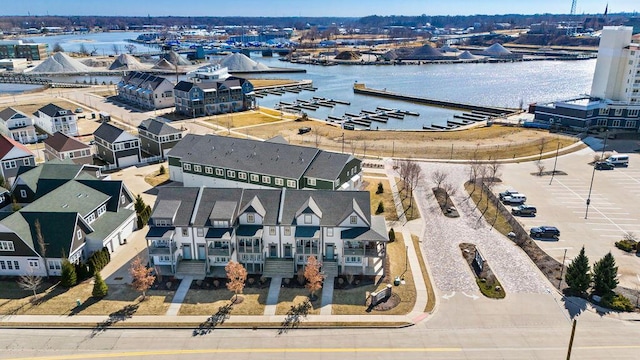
<point>219,161</point>
<point>157,137</point>
<point>212,97</point>
<point>61,146</point>
<point>196,231</point>
<point>146,91</point>
<point>116,146</point>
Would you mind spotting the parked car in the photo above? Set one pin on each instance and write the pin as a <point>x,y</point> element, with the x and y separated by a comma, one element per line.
<point>514,199</point>
<point>618,160</point>
<point>507,193</point>
<point>604,165</point>
<point>524,210</point>
<point>548,232</point>
<point>79,110</point>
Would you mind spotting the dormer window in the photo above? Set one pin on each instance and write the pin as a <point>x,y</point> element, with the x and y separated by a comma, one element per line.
<point>353,219</point>
<point>307,219</point>
<point>251,218</point>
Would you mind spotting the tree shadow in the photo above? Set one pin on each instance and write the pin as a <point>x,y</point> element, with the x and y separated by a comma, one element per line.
<point>574,305</point>
<point>79,308</point>
<point>115,317</point>
<point>223,313</point>
<point>294,316</point>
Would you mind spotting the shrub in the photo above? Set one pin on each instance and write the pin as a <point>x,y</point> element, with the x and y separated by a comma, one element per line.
<point>380,189</point>
<point>380,208</point>
<point>100,288</point>
<point>626,245</point>
<point>392,235</point>
<point>617,302</point>
<point>69,276</point>
<point>162,170</point>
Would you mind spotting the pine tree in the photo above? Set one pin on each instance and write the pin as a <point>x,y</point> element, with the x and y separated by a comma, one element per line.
<point>380,189</point>
<point>69,277</point>
<point>578,276</point>
<point>605,275</point>
<point>380,208</point>
<point>100,288</point>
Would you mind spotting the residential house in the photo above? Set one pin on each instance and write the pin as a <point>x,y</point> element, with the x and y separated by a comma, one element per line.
<point>197,231</point>
<point>146,91</point>
<point>77,213</point>
<point>157,137</point>
<point>12,156</point>
<point>218,161</point>
<point>52,118</point>
<point>212,97</point>
<point>116,146</point>
<point>18,126</point>
<point>61,146</point>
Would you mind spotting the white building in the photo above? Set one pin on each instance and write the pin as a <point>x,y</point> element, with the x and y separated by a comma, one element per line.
<point>52,118</point>
<point>617,74</point>
<point>17,125</point>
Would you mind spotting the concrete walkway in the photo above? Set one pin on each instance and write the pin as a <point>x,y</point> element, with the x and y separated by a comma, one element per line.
<point>272,297</point>
<point>327,295</point>
<point>179,296</point>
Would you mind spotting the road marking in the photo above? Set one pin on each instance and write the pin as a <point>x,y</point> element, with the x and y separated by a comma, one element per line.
<point>447,297</point>
<point>561,248</point>
<point>474,297</point>
<point>613,236</point>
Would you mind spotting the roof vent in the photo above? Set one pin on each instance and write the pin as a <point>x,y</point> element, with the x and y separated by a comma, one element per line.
<point>64,206</point>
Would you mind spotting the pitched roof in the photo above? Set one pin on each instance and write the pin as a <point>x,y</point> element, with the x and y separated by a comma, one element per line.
<point>61,142</point>
<point>110,133</point>
<point>48,176</point>
<point>177,203</point>
<point>72,196</point>
<point>53,110</point>
<point>335,205</point>
<point>158,127</point>
<point>184,86</point>
<point>143,80</point>
<point>328,165</point>
<point>9,112</point>
<point>11,149</point>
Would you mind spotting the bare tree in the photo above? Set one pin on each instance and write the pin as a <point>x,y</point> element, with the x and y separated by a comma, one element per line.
<point>494,168</point>
<point>130,48</point>
<point>313,275</point>
<point>438,177</point>
<point>540,167</point>
<point>42,245</point>
<point>411,174</point>
<point>30,282</point>
<point>541,145</point>
<point>451,191</point>
<point>116,49</point>
<point>236,275</point>
<point>83,50</point>
<point>142,277</point>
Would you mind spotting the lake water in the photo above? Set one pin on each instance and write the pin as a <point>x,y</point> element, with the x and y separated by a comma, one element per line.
<point>497,84</point>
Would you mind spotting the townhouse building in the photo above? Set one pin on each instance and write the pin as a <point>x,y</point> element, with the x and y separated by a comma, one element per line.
<point>157,137</point>
<point>210,97</point>
<point>146,91</point>
<point>52,118</point>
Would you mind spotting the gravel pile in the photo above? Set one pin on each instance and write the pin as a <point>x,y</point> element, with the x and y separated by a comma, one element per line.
<point>163,64</point>
<point>61,63</point>
<point>126,62</point>
<point>240,63</point>
<point>174,58</point>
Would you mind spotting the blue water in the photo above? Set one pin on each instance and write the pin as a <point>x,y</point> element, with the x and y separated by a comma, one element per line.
<point>102,43</point>
<point>13,89</point>
<point>497,84</point>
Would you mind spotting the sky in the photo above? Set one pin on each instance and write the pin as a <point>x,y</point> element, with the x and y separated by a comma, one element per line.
<point>311,8</point>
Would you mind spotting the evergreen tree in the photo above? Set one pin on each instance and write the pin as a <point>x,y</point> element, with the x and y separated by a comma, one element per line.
<point>605,275</point>
<point>380,208</point>
<point>69,277</point>
<point>392,235</point>
<point>100,288</point>
<point>380,189</point>
<point>578,276</point>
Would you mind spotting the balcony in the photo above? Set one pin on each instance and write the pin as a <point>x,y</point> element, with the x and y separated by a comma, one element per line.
<point>369,252</point>
<point>311,250</point>
<point>219,251</point>
<point>162,249</point>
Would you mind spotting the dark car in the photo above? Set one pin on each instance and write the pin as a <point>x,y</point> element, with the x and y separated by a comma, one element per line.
<point>524,210</point>
<point>548,232</point>
<point>506,193</point>
<point>604,165</point>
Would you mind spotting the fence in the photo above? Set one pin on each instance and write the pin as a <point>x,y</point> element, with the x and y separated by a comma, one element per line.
<point>144,161</point>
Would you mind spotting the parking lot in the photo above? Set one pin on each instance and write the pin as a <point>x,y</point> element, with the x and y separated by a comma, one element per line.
<point>613,211</point>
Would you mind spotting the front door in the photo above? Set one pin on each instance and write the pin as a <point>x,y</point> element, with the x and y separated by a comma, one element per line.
<point>287,251</point>
<point>186,251</point>
<point>273,250</point>
<point>202,254</point>
<point>328,251</point>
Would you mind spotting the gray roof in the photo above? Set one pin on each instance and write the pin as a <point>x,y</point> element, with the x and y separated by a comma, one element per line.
<point>70,197</point>
<point>54,110</point>
<point>158,127</point>
<point>9,112</point>
<point>184,203</point>
<point>215,204</point>
<point>335,205</point>
<point>111,133</point>
<point>268,158</point>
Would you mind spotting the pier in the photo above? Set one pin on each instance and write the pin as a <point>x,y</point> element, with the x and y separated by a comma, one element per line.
<point>30,80</point>
<point>492,111</point>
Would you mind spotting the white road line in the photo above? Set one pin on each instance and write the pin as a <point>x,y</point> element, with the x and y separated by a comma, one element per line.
<point>612,236</point>
<point>620,229</point>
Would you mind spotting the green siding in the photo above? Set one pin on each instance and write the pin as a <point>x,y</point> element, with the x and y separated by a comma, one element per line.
<point>174,161</point>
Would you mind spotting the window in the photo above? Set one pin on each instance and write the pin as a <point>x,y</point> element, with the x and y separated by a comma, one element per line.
<point>197,168</point>
<point>352,259</point>
<point>615,123</point>
<point>91,218</point>
<point>633,113</point>
<point>34,263</point>
<point>307,218</point>
<point>251,218</point>
<point>2,265</point>
<point>16,265</point>
<point>10,265</point>
<point>311,182</point>
<point>186,167</point>
<point>618,112</point>
<point>161,222</point>
<point>219,172</point>
<point>272,230</point>
<point>6,246</point>
<point>231,173</point>
<point>602,122</point>
<point>185,232</point>
<point>26,161</point>
<point>330,232</point>
<point>10,164</point>
<point>123,199</point>
<point>200,232</point>
<point>630,124</point>
<point>604,111</point>
<point>287,231</point>
<point>255,178</point>
<point>242,176</point>
<point>23,194</point>
<point>102,209</point>
<point>54,264</point>
<point>266,179</point>
<point>208,169</point>
<point>79,234</point>
<point>279,182</point>
<point>164,258</point>
<point>353,219</point>
<point>291,183</point>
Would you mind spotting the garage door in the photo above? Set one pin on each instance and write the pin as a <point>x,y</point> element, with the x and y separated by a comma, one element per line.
<point>128,161</point>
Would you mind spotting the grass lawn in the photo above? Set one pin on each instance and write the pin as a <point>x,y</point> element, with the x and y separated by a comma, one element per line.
<point>411,211</point>
<point>30,108</point>
<point>208,301</point>
<point>155,178</point>
<point>62,301</point>
<point>501,223</point>
<point>431,295</point>
<point>105,93</point>
<point>352,301</point>
<point>242,119</point>
<point>258,83</point>
<point>290,297</point>
<point>386,197</point>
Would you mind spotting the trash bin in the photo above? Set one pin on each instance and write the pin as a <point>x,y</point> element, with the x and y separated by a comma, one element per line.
<point>78,302</point>
<point>396,281</point>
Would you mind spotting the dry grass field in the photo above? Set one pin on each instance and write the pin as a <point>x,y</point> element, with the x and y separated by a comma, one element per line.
<point>390,212</point>
<point>208,301</point>
<point>290,297</point>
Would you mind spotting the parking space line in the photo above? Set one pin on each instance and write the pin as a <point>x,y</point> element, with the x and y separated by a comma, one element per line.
<point>611,236</point>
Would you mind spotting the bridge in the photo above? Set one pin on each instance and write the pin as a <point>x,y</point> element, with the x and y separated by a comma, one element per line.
<point>31,80</point>
<point>266,51</point>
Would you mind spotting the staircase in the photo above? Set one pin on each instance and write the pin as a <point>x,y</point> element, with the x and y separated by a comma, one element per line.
<point>330,269</point>
<point>194,268</point>
<point>274,267</point>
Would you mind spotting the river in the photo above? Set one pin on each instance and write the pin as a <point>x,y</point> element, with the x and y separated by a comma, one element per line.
<point>496,84</point>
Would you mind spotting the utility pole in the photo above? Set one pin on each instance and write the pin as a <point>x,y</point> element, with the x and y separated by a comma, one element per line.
<point>562,268</point>
<point>554,164</point>
<point>343,143</point>
<point>573,332</point>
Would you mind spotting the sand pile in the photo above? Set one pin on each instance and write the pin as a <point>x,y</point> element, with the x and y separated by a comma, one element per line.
<point>163,64</point>
<point>497,49</point>
<point>126,62</point>
<point>61,63</point>
<point>467,56</point>
<point>425,52</point>
<point>241,63</point>
<point>93,62</point>
<point>174,58</point>
<point>348,55</point>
